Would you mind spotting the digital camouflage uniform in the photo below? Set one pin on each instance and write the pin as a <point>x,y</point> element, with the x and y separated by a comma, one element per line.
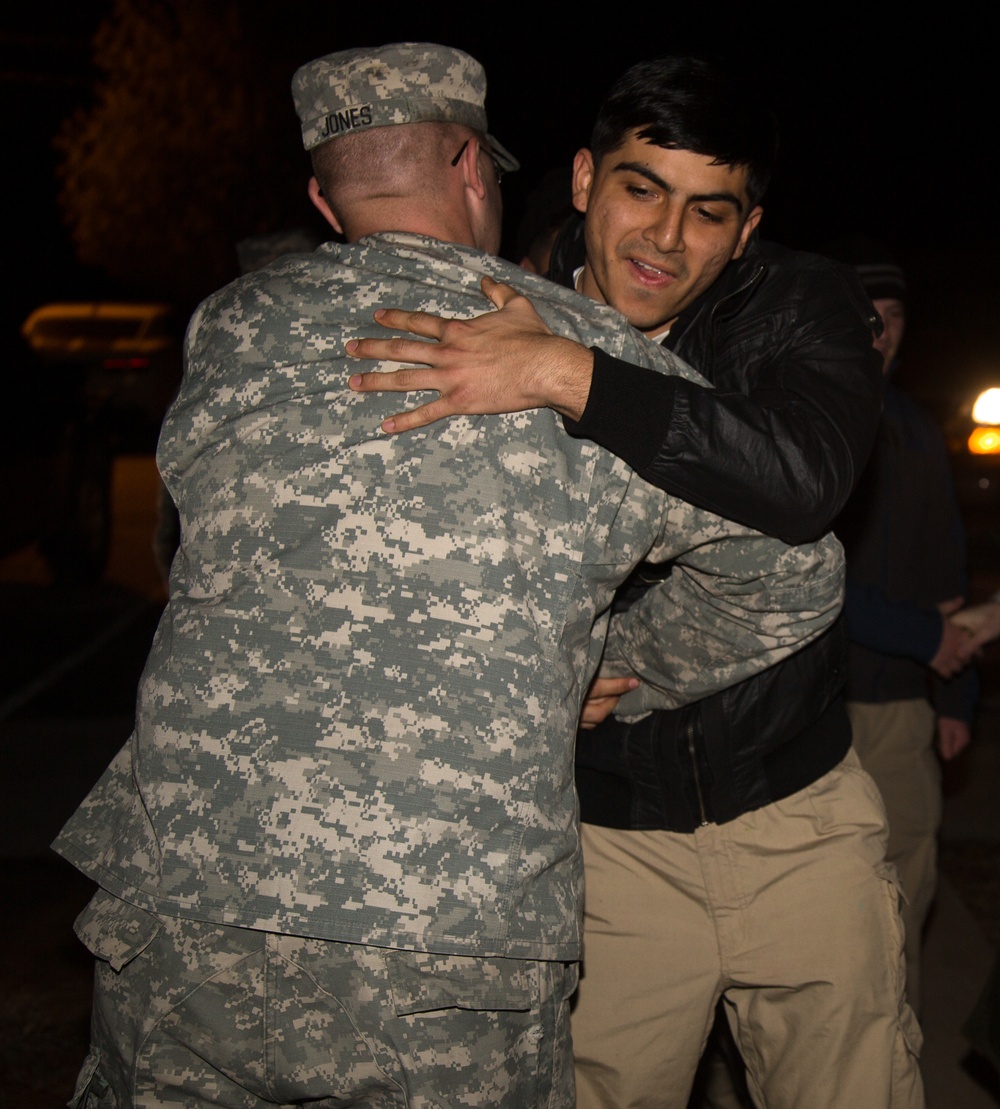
<point>356,721</point>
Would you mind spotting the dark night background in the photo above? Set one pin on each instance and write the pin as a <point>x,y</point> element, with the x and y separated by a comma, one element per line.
<point>886,125</point>
<point>887,121</point>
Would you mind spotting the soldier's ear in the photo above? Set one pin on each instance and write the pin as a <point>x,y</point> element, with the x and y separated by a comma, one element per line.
<point>319,200</point>
<point>471,166</point>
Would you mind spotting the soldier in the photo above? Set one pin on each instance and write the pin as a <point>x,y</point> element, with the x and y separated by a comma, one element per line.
<point>339,856</point>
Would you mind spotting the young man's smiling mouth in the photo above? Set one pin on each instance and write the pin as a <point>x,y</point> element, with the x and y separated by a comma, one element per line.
<point>650,273</point>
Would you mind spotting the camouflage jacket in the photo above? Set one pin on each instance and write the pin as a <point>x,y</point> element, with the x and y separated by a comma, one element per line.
<point>357,717</point>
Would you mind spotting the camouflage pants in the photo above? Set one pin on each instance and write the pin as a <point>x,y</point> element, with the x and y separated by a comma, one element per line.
<point>191,1014</point>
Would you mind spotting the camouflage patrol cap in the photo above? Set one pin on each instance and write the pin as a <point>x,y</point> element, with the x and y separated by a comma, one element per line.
<point>380,86</point>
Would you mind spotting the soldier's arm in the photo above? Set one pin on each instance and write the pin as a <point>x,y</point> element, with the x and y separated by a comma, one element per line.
<point>731,608</point>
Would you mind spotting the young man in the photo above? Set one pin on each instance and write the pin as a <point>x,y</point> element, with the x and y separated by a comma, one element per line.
<point>733,848</point>
<point>339,857</point>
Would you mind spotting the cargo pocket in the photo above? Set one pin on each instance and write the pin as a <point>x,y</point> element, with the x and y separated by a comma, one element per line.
<point>907,1085</point>
<point>894,895</point>
<point>92,1089</point>
<point>115,931</point>
<point>496,1028</point>
<point>422,982</point>
<point>470,1027</point>
<point>907,1088</point>
<point>571,980</point>
<point>556,1064</point>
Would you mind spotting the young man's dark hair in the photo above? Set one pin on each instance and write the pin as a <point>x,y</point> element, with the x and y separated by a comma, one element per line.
<point>691,104</point>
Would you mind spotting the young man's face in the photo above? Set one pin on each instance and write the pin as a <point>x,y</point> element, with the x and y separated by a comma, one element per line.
<point>661,225</point>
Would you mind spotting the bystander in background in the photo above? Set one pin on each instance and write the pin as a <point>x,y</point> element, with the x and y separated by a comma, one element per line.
<point>910,698</point>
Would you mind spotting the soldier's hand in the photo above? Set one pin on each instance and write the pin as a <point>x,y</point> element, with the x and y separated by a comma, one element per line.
<point>603,695</point>
<point>503,361</point>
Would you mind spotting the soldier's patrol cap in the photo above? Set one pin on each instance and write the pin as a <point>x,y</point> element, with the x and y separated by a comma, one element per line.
<point>381,86</point>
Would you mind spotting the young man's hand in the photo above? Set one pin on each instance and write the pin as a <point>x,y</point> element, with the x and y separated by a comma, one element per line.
<point>504,361</point>
<point>603,695</point>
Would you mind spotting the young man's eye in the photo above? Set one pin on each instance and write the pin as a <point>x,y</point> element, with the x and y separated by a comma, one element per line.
<point>709,216</point>
<point>640,191</point>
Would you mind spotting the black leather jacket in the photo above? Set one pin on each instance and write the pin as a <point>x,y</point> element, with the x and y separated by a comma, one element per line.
<point>785,338</point>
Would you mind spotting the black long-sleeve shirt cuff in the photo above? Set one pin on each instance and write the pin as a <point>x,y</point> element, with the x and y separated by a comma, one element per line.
<point>627,410</point>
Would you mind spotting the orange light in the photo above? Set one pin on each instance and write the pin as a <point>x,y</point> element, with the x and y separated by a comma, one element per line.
<point>985,440</point>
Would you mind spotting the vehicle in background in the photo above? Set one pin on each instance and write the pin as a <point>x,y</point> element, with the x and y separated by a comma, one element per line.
<point>129,355</point>
<point>87,381</point>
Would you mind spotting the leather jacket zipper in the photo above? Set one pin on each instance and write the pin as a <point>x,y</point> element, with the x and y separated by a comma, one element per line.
<point>751,280</point>
<point>697,775</point>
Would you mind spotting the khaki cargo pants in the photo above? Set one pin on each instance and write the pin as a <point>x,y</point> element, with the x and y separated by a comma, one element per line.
<point>790,913</point>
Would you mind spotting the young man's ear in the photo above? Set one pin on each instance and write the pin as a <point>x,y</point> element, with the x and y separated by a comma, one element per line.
<point>317,197</point>
<point>751,222</point>
<point>583,179</point>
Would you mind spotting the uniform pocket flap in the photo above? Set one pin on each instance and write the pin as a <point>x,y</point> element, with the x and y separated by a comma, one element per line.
<point>114,930</point>
<point>572,981</point>
<point>92,1091</point>
<point>422,982</point>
